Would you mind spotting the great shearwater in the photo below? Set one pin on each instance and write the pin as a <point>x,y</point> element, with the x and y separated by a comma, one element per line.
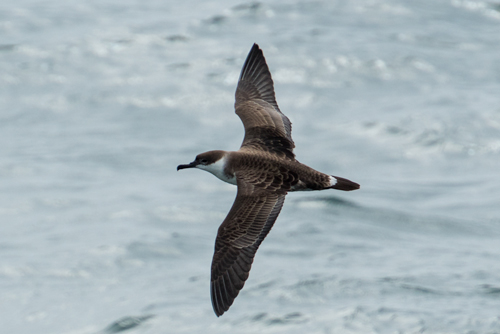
<point>264,169</point>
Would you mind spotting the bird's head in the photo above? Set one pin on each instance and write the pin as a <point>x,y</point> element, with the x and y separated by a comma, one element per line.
<point>205,160</point>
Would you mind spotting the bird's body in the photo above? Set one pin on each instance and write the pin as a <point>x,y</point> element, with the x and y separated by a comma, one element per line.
<point>264,170</point>
<point>272,171</point>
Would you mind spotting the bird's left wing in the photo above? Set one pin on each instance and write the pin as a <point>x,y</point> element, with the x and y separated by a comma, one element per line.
<point>257,205</point>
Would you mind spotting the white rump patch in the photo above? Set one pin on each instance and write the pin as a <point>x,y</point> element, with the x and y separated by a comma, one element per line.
<point>333,181</point>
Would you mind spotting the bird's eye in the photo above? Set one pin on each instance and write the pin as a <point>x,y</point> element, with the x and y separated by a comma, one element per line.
<point>203,161</point>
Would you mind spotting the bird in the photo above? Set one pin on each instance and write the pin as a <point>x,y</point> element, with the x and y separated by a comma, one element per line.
<point>264,170</point>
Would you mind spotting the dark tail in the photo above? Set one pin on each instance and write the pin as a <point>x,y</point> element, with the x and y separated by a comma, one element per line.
<point>344,184</point>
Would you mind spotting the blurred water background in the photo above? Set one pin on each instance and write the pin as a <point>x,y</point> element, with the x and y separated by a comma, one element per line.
<point>101,100</point>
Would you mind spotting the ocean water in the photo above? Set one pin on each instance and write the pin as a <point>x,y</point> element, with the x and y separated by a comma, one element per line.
<point>101,100</point>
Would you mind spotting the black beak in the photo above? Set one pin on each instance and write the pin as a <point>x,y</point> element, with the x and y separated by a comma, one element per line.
<point>190,165</point>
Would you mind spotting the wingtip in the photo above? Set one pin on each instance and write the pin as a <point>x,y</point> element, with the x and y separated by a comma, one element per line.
<point>255,52</point>
<point>217,302</point>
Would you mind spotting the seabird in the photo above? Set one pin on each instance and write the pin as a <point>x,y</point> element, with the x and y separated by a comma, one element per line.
<point>264,169</point>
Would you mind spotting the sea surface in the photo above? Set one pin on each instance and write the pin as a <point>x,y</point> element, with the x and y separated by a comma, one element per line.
<point>100,101</point>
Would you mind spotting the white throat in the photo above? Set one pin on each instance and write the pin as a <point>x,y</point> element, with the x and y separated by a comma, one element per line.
<point>217,168</point>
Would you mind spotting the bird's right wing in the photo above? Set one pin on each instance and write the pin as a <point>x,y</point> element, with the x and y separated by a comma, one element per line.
<point>266,127</point>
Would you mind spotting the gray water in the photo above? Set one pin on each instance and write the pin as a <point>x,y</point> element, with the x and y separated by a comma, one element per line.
<point>101,100</point>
